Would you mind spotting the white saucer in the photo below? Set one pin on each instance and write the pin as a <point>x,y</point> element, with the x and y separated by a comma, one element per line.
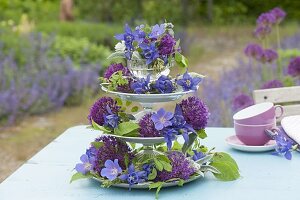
<point>235,143</point>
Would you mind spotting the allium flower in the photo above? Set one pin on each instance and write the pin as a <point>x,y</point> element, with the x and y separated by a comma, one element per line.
<point>181,168</point>
<point>133,177</point>
<point>188,82</point>
<point>164,84</point>
<point>161,119</point>
<point>126,88</point>
<point>157,31</point>
<point>111,170</point>
<point>242,101</point>
<point>147,128</point>
<point>272,84</point>
<point>266,19</point>
<point>284,147</point>
<point>99,110</point>
<point>141,86</point>
<point>112,149</point>
<point>262,31</point>
<point>268,55</point>
<point>294,67</point>
<point>198,155</point>
<point>150,52</point>
<point>86,165</point>
<point>195,112</point>
<point>253,50</point>
<point>111,120</point>
<point>114,68</point>
<point>167,44</point>
<point>278,13</point>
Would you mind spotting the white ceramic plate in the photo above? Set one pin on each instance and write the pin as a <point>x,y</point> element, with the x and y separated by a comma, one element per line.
<point>235,143</point>
<point>146,184</point>
<point>291,126</point>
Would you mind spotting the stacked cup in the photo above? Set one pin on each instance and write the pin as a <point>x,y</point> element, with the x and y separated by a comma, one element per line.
<point>250,123</point>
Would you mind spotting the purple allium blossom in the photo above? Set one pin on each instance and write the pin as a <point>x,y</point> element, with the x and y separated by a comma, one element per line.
<point>268,55</point>
<point>150,52</point>
<point>112,149</point>
<point>99,110</point>
<point>164,85</point>
<point>294,67</point>
<point>272,84</point>
<point>242,101</point>
<point>195,112</point>
<point>133,177</point>
<point>162,119</point>
<point>86,165</point>
<point>115,68</point>
<point>126,88</point>
<point>181,168</point>
<point>188,82</point>
<point>278,13</point>
<point>167,44</point>
<point>147,128</point>
<point>262,31</point>
<point>198,155</point>
<point>157,31</point>
<point>253,51</point>
<point>141,86</point>
<point>266,19</point>
<point>111,120</point>
<point>111,169</point>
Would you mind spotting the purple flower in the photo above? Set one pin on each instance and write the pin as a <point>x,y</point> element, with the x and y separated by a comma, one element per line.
<point>111,120</point>
<point>294,67</point>
<point>169,136</point>
<point>272,84</point>
<point>164,84</point>
<point>157,31</point>
<point>242,101</point>
<point>148,169</point>
<point>99,110</point>
<point>86,165</point>
<point>195,112</point>
<point>111,149</point>
<point>126,88</point>
<point>253,50</point>
<point>128,36</point>
<point>262,31</point>
<point>268,55</point>
<point>133,177</point>
<point>266,19</point>
<point>188,82</point>
<point>181,168</point>
<point>150,52</point>
<point>167,44</point>
<point>278,13</point>
<point>284,147</point>
<point>114,68</point>
<point>141,86</point>
<point>198,155</point>
<point>140,34</point>
<point>162,119</point>
<point>111,170</point>
<point>147,128</point>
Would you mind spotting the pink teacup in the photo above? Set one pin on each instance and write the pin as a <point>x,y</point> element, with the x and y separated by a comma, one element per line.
<point>253,135</point>
<point>258,114</point>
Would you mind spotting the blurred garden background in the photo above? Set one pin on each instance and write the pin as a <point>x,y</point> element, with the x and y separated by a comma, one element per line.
<point>53,51</point>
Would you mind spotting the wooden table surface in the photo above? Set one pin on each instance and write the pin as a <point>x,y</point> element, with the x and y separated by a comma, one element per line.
<point>47,174</point>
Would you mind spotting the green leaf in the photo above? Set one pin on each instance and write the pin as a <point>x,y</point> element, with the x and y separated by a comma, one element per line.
<point>119,101</point>
<point>158,186</point>
<point>116,55</point>
<point>166,166</point>
<point>152,175</point>
<point>180,182</point>
<point>97,145</point>
<point>134,109</point>
<point>79,175</point>
<point>176,146</point>
<point>100,128</point>
<point>222,156</point>
<point>128,103</point>
<point>126,160</point>
<point>181,60</point>
<point>201,133</point>
<point>134,133</point>
<point>186,146</point>
<point>132,145</point>
<point>125,128</point>
<point>159,166</point>
<point>163,158</point>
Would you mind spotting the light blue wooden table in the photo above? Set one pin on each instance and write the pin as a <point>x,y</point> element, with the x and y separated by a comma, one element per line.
<point>47,174</point>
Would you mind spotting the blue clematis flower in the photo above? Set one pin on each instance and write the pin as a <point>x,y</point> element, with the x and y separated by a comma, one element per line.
<point>133,177</point>
<point>169,136</point>
<point>164,84</point>
<point>162,119</point>
<point>128,36</point>
<point>157,30</point>
<point>284,146</point>
<point>198,155</point>
<point>147,168</point>
<point>86,165</point>
<point>139,34</point>
<point>188,82</point>
<point>141,86</point>
<point>111,170</point>
<point>111,120</point>
<point>150,52</point>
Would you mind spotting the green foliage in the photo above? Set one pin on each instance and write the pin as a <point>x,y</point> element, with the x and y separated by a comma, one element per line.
<point>78,176</point>
<point>126,129</point>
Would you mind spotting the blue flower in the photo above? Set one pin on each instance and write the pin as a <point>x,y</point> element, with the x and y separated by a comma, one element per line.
<point>162,119</point>
<point>164,84</point>
<point>157,30</point>
<point>133,177</point>
<point>284,146</point>
<point>111,170</point>
<point>150,52</point>
<point>86,165</point>
<point>198,155</point>
<point>147,168</point>
<point>141,86</point>
<point>111,120</point>
<point>139,34</point>
<point>169,136</point>
<point>188,82</point>
<point>128,36</point>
